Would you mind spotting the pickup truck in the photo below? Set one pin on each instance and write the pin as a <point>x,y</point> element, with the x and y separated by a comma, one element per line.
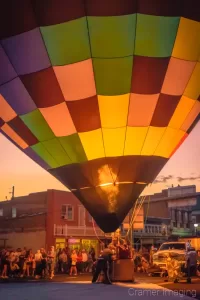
<point>186,257</point>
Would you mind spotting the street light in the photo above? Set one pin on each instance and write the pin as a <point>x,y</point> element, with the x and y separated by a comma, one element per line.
<point>195,226</point>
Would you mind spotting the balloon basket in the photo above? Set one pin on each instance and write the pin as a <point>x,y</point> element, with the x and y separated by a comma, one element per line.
<point>123,270</point>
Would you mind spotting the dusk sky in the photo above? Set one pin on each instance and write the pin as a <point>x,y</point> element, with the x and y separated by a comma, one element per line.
<point>19,170</point>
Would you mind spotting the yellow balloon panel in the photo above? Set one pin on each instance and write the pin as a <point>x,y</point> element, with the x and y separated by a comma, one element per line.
<point>169,142</point>
<point>183,108</point>
<point>14,136</point>
<point>193,87</point>
<point>187,45</point>
<point>114,141</point>
<point>153,137</point>
<point>92,143</point>
<point>191,116</point>
<point>113,110</point>
<point>135,137</point>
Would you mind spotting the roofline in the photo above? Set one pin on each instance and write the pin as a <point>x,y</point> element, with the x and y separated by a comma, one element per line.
<point>23,216</point>
<point>23,196</point>
<point>173,198</point>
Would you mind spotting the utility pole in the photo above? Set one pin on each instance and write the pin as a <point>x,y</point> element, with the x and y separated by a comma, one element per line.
<point>12,192</point>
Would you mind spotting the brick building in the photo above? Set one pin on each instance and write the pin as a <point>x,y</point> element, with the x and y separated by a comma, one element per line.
<point>47,218</point>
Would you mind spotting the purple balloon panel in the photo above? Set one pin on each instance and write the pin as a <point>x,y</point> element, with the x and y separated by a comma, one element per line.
<point>27,52</point>
<point>17,96</point>
<point>7,72</point>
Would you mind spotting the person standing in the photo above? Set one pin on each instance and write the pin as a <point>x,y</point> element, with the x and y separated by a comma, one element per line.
<point>43,263</point>
<point>79,263</point>
<point>188,245</point>
<point>51,262</point>
<point>84,260</point>
<point>5,264</point>
<point>29,262</point>
<point>92,253</point>
<point>73,263</point>
<point>37,259</point>
<point>104,265</point>
<point>63,259</point>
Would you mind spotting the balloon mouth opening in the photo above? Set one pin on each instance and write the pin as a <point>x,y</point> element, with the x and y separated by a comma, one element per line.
<point>110,184</point>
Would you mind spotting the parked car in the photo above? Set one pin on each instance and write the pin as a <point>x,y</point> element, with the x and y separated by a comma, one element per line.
<point>186,257</point>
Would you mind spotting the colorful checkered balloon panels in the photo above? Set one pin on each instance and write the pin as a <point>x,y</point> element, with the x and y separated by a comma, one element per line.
<point>100,93</point>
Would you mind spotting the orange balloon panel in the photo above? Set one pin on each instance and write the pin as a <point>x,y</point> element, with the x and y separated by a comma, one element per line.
<point>6,111</point>
<point>141,105</point>
<point>59,119</point>
<point>76,80</point>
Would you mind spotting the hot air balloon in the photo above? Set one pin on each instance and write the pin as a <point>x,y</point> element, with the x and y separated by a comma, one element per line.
<point>100,93</point>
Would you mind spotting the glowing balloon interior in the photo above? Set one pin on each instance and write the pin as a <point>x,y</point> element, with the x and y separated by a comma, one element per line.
<point>100,93</point>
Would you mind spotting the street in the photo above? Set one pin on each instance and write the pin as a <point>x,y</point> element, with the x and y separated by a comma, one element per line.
<point>80,287</point>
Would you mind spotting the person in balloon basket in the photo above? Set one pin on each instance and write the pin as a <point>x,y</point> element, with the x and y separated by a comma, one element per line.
<point>103,265</point>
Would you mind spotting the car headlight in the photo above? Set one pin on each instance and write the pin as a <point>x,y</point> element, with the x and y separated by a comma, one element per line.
<point>155,257</point>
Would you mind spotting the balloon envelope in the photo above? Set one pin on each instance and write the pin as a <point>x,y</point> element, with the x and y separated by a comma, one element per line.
<point>100,93</point>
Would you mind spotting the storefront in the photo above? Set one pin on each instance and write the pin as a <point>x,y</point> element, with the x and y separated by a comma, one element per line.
<point>86,244</point>
<point>60,243</point>
<point>78,244</point>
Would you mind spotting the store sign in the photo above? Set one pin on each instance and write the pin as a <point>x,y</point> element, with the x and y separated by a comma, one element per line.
<point>73,241</point>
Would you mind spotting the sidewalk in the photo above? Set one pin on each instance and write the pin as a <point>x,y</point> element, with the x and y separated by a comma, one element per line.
<point>57,278</point>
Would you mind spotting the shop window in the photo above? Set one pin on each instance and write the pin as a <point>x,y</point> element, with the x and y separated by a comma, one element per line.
<point>67,212</point>
<point>14,212</point>
<point>1,212</point>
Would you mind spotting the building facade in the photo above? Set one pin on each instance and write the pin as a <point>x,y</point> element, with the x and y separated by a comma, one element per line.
<point>47,218</point>
<point>170,214</point>
<point>57,218</point>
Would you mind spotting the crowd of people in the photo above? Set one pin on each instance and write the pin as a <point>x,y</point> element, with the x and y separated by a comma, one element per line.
<point>44,264</point>
<point>75,261</point>
<point>25,263</point>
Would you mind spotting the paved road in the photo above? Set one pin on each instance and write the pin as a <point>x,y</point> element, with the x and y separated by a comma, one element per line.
<point>82,282</point>
<point>83,291</point>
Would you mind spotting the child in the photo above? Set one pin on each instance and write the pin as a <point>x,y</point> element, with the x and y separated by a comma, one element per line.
<point>14,268</point>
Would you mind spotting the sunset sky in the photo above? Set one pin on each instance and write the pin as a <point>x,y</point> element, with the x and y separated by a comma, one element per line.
<point>19,170</point>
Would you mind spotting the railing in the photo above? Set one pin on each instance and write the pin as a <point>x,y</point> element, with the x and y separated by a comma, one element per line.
<point>68,231</point>
<point>72,231</point>
<point>153,230</point>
